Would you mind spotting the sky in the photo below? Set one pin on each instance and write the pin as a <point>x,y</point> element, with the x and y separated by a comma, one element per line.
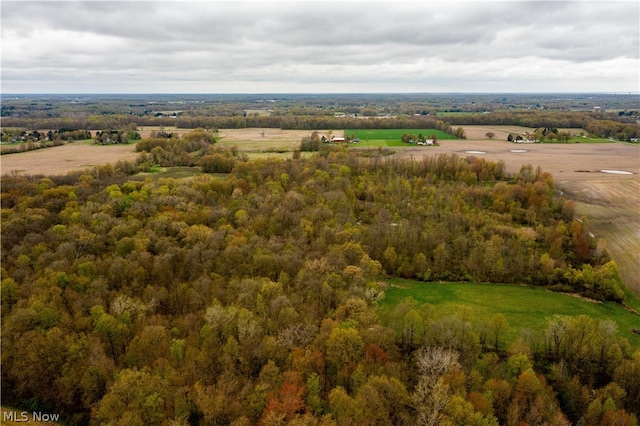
<point>319,47</point>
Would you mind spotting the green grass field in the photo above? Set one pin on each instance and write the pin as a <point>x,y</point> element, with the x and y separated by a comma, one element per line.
<point>523,306</point>
<point>392,137</point>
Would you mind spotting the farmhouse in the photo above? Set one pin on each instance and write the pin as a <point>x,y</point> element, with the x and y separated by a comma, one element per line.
<point>336,139</point>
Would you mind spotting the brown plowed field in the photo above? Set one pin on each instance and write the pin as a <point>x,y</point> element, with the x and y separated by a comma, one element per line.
<point>610,203</point>
<point>60,160</point>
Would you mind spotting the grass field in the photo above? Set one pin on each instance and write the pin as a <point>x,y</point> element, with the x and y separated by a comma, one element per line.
<point>392,137</point>
<point>523,306</point>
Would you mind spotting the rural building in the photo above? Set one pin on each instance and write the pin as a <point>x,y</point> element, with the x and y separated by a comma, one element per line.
<point>337,139</point>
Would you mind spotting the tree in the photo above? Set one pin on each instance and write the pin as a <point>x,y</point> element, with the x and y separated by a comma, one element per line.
<point>432,393</point>
<point>217,163</point>
<point>626,374</point>
<point>497,326</point>
<point>460,412</point>
<point>288,400</point>
<point>344,408</point>
<point>533,402</point>
<point>491,135</point>
<point>460,133</point>
<point>383,400</point>
<point>344,349</point>
<point>134,399</point>
<point>114,331</point>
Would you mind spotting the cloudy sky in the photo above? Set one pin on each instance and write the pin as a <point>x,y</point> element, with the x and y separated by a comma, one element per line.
<point>305,47</point>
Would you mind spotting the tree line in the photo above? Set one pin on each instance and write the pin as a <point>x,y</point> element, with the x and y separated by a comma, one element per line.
<point>605,125</point>
<point>253,298</point>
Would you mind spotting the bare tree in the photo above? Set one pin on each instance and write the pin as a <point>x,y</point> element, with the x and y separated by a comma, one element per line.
<point>431,394</point>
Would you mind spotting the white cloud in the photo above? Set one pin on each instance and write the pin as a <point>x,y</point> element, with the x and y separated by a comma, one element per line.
<point>320,46</point>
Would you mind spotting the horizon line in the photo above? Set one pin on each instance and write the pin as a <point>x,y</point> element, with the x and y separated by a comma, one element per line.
<point>329,93</point>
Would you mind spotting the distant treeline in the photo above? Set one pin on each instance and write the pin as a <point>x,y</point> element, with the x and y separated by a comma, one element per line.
<point>605,125</point>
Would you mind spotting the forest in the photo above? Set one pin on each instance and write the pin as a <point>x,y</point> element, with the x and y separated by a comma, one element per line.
<point>250,294</point>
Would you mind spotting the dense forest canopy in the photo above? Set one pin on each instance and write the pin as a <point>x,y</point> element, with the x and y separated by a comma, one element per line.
<point>252,298</point>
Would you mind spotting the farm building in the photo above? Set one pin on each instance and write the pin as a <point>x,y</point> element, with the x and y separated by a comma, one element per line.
<point>336,139</point>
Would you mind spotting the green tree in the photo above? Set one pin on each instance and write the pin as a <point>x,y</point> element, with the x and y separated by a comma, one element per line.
<point>344,349</point>
<point>134,399</point>
<point>383,400</point>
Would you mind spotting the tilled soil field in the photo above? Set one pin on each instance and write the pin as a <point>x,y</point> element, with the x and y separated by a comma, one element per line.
<point>60,160</point>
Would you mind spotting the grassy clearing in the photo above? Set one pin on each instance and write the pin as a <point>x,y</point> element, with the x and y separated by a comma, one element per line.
<point>525,307</point>
<point>158,172</point>
<point>285,155</point>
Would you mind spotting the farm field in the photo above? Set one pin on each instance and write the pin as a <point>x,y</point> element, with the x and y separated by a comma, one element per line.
<point>264,139</point>
<point>524,307</point>
<point>60,160</point>
<point>145,131</point>
<point>391,137</point>
<point>502,132</point>
<point>611,208</point>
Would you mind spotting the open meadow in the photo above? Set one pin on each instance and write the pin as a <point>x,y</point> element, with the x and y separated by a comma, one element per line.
<point>524,307</point>
<point>392,137</point>
<point>610,202</point>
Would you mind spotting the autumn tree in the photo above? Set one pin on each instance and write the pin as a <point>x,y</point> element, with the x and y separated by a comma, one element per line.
<point>134,398</point>
<point>432,393</point>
